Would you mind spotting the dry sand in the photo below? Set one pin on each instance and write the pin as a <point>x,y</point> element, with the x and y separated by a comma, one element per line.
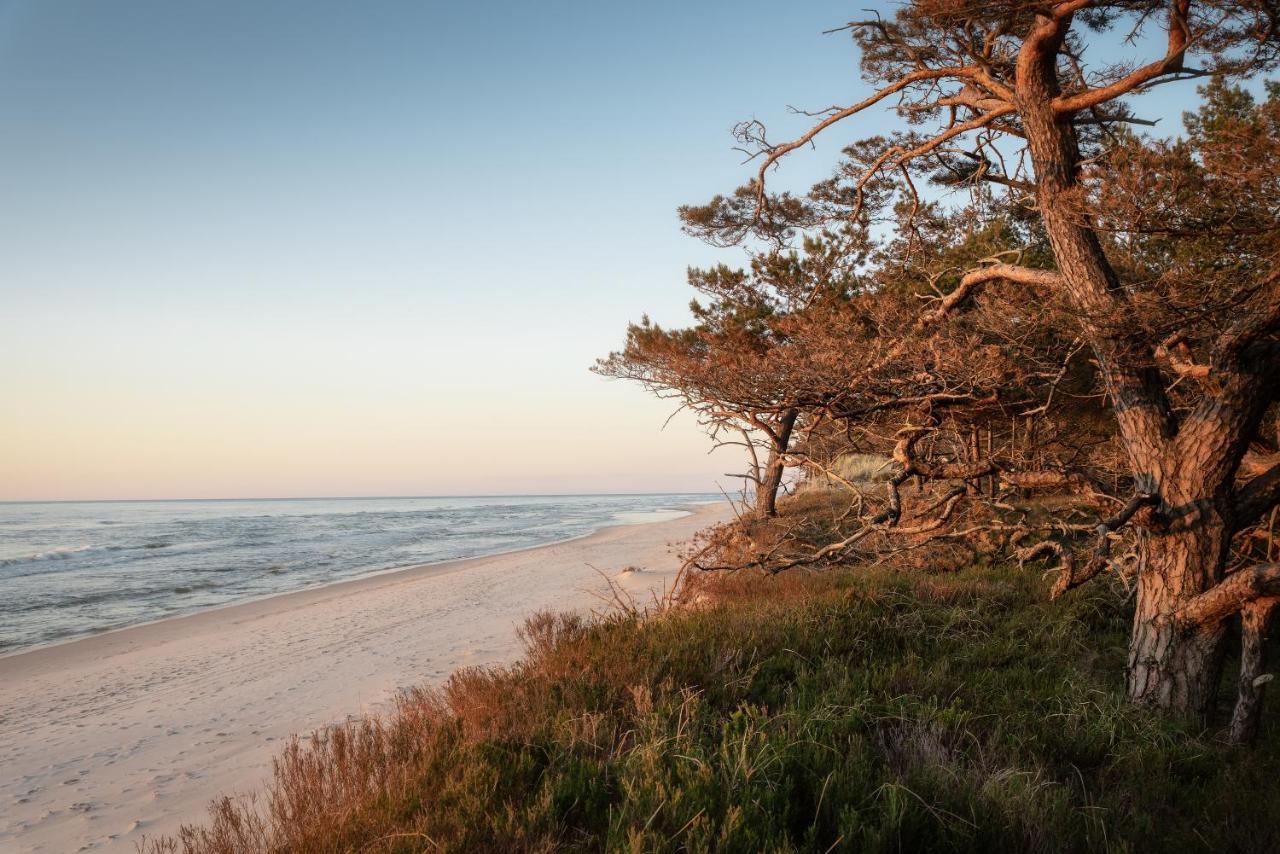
<point>133,732</point>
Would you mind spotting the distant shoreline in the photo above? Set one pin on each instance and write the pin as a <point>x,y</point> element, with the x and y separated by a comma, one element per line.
<point>131,731</point>
<point>355,567</point>
<point>711,495</point>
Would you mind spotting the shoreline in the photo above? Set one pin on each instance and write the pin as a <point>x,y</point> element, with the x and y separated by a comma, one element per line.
<point>132,731</point>
<point>446,564</point>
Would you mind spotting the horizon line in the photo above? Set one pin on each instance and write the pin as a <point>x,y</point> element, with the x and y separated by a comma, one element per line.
<point>350,497</point>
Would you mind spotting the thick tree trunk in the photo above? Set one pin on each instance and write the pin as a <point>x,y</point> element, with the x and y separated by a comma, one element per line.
<point>775,467</point>
<point>1172,668</point>
<point>1177,667</point>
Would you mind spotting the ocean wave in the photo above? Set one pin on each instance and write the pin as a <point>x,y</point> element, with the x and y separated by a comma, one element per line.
<point>59,602</point>
<point>149,564</point>
<point>194,587</point>
<point>147,549</point>
<point>59,553</point>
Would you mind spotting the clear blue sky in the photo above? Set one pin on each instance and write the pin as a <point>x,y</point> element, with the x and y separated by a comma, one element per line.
<point>277,248</point>
<point>317,248</point>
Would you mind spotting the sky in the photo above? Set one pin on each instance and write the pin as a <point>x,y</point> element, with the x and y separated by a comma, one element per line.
<point>334,248</point>
<point>310,248</point>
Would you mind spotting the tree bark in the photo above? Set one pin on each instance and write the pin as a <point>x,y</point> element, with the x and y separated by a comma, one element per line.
<point>1254,623</point>
<point>1171,667</point>
<point>775,466</point>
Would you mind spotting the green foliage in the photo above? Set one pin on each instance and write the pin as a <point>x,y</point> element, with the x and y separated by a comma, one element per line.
<point>854,711</point>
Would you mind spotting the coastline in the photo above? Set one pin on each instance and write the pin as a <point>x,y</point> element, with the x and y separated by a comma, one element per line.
<point>445,566</point>
<point>132,731</point>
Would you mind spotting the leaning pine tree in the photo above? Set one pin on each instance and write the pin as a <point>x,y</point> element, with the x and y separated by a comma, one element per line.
<point>740,368</point>
<point>1162,261</point>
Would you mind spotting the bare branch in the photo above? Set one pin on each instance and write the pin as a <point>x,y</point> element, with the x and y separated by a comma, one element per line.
<point>1237,590</point>
<point>1256,497</point>
<point>975,280</point>
<point>1069,579</point>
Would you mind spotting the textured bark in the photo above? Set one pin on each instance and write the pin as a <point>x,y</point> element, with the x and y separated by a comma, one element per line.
<point>1128,367</point>
<point>775,466</point>
<point>1241,589</point>
<point>1173,667</point>
<point>1255,621</point>
<point>1170,668</point>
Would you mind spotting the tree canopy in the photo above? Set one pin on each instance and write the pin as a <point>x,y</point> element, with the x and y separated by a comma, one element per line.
<point>1024,290</point>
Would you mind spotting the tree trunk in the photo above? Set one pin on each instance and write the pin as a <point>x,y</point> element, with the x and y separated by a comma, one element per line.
<point>1172,668</point>
<point>1254,620</point>
<point>775,466</point>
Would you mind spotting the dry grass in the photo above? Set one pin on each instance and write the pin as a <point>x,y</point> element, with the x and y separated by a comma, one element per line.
<point>861,711</point>
<point>862,470</point>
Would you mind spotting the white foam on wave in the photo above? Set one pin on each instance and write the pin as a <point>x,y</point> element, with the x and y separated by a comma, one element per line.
<point>59,553</point>
<point>66,572</point>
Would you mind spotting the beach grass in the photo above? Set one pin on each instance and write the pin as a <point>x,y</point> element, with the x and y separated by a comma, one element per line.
<point>855,710</point>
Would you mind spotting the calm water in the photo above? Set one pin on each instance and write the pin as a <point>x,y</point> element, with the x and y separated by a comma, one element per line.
<point>69,569</point>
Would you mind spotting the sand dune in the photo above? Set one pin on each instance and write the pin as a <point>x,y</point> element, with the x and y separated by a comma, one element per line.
<point>106,739</point>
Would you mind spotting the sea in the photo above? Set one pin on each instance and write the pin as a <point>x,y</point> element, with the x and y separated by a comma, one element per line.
<point>71,569</point>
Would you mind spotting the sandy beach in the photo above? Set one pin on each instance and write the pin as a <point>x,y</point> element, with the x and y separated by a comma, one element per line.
<point>131,733</point>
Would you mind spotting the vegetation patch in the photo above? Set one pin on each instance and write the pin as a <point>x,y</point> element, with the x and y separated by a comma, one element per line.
<point>859,710</point>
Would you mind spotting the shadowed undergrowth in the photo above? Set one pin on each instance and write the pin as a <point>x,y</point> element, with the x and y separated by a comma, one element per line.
<point>859,711</point>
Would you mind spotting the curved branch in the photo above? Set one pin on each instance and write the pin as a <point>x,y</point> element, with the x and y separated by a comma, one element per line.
<point>904,455</point>
<point>1257,497</point>
<point>1069,578</point>
<point>975,280</point>
<point>1170,63</point>
<point>1066,560</point>
<point>1229,596</point>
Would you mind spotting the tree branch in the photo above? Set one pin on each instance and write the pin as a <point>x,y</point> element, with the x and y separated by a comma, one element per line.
<point>1257,497</point>
<point>1069,578</point>
<point>1171,63</point>
<point>1229,596</point>
<point>835,549</point>
<point>775,153</point>
<point>975,280</point>
<point>1174,353</point>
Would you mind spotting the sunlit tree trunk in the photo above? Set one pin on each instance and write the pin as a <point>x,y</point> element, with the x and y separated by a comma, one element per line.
<point>1172,667</point>
<point>775,466</point>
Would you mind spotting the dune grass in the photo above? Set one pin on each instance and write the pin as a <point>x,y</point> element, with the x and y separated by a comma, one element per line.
<point>859,710</point>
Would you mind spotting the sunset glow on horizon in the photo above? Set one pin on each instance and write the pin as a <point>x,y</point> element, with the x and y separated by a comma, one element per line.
<point>317,249</point>
<point>356,255</point>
